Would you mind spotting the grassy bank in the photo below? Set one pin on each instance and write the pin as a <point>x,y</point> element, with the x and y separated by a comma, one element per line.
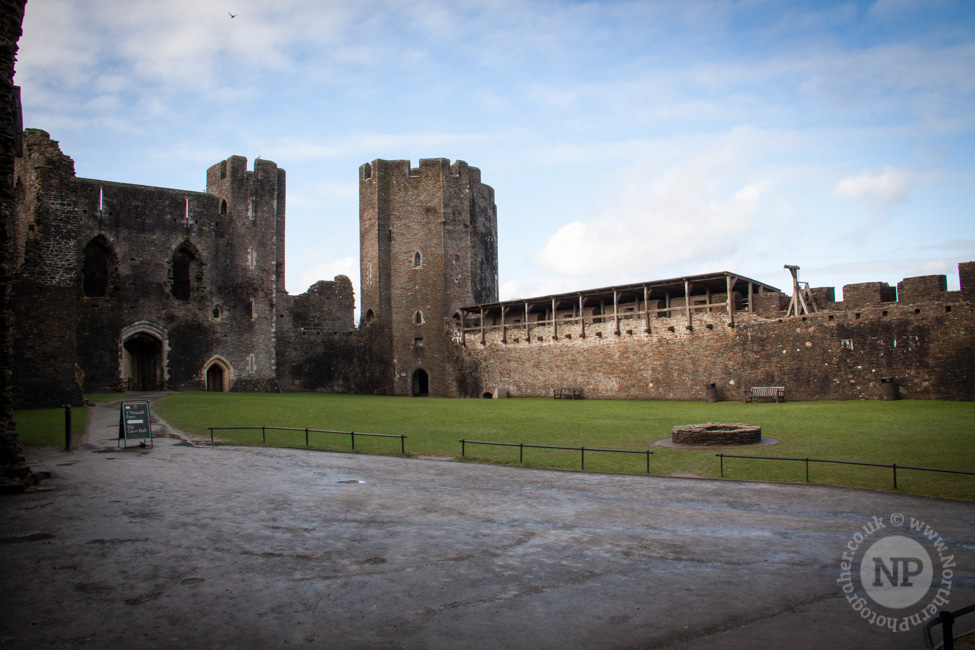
<point>922,433</point>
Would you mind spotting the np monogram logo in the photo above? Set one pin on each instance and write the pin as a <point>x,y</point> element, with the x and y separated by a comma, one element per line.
<point>891,566</point>
<point>896,572</point>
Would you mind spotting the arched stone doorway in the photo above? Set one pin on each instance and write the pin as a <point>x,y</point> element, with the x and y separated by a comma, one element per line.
<point>215,379</point>
<point>143,362</point>
<point>218,375</point>
<point>421,383</point>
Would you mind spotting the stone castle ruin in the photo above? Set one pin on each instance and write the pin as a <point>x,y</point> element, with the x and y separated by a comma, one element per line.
<point>127,287</point>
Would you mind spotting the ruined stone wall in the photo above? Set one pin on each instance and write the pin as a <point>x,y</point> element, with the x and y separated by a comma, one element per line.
<point>428,247</point>
<point>319,348</point>
<point>966,280</point>
<point>326,306</point>
<point>45,285</point>
<point>842,352</point>
<point>14,471</point>
<point>350,361</point>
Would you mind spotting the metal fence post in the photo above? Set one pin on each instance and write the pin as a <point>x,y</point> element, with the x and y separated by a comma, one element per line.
<point>462,447</point>
<point>263,434</point>
<point>211,434</point>
<point>583,449</point>
<point>402,444</point>
<point>352,433</point>
<point>521,453</point>
<point>947,629</point>
<point>895,475</point>
<point>306,437</point>
<point>721,458</point>
<point>807,470</point>
<point>67,427</point>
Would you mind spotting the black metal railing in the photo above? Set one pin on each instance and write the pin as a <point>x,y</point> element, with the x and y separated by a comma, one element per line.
<point>893,466</point>
<point>947,622</point>
<point>522,446</point>
<point>308,432</point>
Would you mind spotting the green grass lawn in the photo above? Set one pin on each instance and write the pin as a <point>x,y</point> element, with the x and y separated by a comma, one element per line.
<point>921,433</point>
<point>46,426</point>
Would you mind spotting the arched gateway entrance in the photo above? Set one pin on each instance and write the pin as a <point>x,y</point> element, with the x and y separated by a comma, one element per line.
<point>143,357</point>
<point>143,354</point>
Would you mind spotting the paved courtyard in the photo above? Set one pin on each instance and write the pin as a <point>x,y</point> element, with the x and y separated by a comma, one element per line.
<point>183,546</point>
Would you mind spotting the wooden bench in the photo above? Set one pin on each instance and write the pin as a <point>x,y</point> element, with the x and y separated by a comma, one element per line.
<point>567,392</point>
<point>772,392</point>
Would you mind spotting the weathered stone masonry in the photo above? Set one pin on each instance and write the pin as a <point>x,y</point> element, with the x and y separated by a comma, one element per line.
<point>14,471</point>
<point>428,240</point>
<point>133,287</point>
<point>923,341</point>
<point>428,246</point>
<point>124,286</point>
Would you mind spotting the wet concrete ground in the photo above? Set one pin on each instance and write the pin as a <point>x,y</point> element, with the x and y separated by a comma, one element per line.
<point>181,546</point>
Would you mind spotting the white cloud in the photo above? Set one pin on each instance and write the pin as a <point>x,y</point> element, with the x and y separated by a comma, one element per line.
<point>700,207</point>
<point>883,188</point>
<point>326,270</point>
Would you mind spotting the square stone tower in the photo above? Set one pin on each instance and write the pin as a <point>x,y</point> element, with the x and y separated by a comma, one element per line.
<point>428,246</point>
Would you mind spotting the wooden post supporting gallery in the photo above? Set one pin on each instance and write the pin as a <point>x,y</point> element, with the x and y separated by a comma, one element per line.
<point>482,325</point>
<point>555,321</point>
<point>646,306</point>
<point>729,282</point>
<point>687,303</point>
<point>582,315</point>
<point>616,313</point>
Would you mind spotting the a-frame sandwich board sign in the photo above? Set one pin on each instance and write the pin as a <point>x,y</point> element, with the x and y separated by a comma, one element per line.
<point>133,422</point>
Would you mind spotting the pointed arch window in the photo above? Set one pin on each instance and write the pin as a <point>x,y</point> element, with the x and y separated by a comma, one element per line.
<point>99,268</point>
<point>417,260</point>
<point>187,273</point>
<point>418,318</point>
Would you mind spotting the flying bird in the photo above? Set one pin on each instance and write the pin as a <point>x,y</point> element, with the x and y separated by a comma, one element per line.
<point>231,15</point>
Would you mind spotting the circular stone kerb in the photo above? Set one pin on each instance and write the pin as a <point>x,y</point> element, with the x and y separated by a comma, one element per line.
<point>717,433</point>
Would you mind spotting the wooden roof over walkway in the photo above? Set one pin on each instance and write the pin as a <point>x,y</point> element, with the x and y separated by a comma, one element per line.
<point>692,285</point>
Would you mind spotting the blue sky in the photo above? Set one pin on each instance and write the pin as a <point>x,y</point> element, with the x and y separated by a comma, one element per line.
<point>625,141</point>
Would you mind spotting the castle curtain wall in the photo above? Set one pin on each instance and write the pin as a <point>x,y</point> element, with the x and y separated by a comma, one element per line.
<point>924,342</point>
